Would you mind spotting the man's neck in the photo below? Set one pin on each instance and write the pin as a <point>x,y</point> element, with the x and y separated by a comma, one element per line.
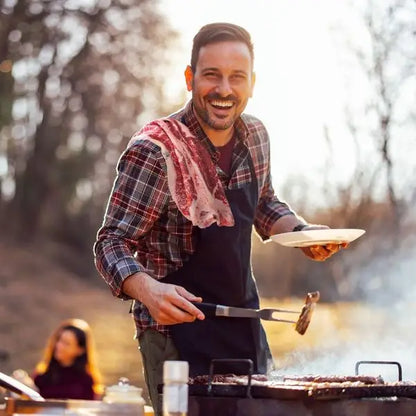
<point>220,138</point>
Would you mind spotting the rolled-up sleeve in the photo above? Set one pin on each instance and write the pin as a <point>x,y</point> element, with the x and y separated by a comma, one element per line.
<point>137,200</point>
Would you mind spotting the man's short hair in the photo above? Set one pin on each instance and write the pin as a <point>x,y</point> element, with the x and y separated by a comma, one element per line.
<point>219,32</point>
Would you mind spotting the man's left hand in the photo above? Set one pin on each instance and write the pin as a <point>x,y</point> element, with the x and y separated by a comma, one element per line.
<point>322,253</point>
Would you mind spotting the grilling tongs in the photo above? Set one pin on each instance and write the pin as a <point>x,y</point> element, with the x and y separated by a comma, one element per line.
<point>268,314</point>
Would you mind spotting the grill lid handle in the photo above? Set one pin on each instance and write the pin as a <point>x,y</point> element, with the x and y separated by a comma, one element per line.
<point>399,367</point>
<point>247,361</point>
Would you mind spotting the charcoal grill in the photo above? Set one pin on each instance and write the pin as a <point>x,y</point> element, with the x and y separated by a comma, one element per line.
<point>224,399</point>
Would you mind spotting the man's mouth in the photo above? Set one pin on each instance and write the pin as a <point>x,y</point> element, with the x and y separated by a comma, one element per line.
<point>221,104</point>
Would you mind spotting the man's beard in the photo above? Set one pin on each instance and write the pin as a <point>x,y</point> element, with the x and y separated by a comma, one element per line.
<point>216,124</point>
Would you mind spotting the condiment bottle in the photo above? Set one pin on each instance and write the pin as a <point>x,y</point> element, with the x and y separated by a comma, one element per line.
<point>175,388</point>
<point>125,393</point>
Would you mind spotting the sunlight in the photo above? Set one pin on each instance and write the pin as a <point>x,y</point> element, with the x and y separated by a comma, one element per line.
<point>299,89</point>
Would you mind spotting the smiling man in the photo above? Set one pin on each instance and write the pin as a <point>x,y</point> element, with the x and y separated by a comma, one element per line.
<point>221,81</point>
<point>177,230</point>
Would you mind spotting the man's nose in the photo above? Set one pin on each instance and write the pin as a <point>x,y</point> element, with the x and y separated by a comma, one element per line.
<point>224,87</point>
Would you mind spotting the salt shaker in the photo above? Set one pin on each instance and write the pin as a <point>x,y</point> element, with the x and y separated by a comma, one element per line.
<point>175,388</point>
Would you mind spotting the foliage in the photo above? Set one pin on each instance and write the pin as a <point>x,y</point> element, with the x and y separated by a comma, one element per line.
<point>380,196</point>
<point>382,124</point>
<point>78,78</point>
<point>347,276</point>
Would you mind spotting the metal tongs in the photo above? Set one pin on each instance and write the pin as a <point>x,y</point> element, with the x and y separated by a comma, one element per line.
<point>268,314</point>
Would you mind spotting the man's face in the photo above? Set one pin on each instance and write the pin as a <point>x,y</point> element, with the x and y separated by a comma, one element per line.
<point>222,83</point>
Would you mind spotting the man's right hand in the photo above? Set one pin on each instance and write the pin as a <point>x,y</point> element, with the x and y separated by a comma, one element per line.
<point>168,304</point>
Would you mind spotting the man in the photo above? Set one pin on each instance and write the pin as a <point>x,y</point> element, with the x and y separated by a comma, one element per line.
<point>168,243</point>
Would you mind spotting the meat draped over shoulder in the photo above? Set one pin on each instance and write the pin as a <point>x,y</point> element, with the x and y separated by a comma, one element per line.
<point>192,178</point>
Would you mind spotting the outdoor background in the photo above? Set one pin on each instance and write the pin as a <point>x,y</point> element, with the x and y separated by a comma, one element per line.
<point>336,88</point>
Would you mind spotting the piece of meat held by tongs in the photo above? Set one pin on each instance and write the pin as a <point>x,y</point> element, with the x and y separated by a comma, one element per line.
<point>212,310</point>
<point>306,312</point>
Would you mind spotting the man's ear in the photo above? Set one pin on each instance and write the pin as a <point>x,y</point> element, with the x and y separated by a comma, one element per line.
<point>189,76</point>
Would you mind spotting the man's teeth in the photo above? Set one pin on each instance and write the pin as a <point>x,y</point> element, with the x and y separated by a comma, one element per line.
<point>224,104</point>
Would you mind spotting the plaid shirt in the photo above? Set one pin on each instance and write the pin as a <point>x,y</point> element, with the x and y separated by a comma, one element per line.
<point>143,230</point>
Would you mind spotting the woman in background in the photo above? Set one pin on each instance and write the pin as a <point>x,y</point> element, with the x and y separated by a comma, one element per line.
<point>68,369</point>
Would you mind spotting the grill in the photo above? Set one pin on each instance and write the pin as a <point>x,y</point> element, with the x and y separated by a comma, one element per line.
<point>308,399</point>
<point>203,406</point>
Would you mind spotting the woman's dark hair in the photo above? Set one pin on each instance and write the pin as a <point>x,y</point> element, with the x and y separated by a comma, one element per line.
<point>219,32</point>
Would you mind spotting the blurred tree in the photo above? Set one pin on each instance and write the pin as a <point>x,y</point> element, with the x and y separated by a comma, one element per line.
<point>77,79</point>
<point>386,72</point>
<point>380,195</point>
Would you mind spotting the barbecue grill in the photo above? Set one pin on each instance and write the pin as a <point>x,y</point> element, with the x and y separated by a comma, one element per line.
<point>303,399</point>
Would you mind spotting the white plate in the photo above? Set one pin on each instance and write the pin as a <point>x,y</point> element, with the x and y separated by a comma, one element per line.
<point>317,237</point>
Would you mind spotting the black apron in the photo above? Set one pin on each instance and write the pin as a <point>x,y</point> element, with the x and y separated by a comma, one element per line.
<point>220,272</point>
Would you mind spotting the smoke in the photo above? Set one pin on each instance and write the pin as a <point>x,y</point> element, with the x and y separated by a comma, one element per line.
<point>343,360</point>
<point>384,332</point>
